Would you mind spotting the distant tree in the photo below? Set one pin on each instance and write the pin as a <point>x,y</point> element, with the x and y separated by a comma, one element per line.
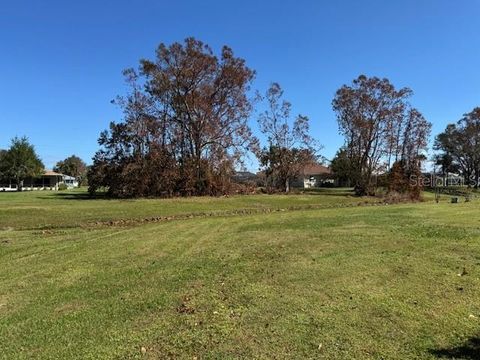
<point>380,128</point>
<point>283,165</point>
<point>72,166</point>
<point>446,164</point>
<point>413,131</point>
<point>185,125</point>
<point>342,167</point>
<point>290,146</point>
<point>20,161</point>
<point>459,146</point>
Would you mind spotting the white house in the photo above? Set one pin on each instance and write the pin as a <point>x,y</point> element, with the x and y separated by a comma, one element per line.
<point>70,181</point>
<point>314,175</point>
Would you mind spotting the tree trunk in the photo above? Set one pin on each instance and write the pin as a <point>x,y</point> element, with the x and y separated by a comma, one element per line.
<point>19,185</point>
<point>287,185</point>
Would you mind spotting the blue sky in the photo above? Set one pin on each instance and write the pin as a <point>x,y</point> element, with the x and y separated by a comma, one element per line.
<point>61,61</point>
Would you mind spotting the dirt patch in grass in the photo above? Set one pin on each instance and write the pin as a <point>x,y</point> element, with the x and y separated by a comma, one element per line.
<point>239,212</point>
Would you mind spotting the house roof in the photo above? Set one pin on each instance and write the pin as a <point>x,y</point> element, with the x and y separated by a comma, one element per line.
<point>316,169</point>
<point>51,173</point>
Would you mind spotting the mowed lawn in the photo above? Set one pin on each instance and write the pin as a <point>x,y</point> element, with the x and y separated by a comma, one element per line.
<point>319,279</point>
<point>48,209</point>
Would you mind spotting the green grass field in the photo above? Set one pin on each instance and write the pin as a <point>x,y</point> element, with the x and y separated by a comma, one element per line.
<point>307,276</point>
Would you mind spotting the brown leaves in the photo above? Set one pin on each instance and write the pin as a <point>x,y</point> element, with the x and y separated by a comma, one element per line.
<point>184,308</point>
<point>380,127</point>
<point>184,128</point>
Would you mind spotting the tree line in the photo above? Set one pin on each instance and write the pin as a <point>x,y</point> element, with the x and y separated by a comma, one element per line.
<point>185,129</point>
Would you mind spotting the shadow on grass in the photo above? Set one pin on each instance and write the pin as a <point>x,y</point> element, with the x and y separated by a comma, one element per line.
<point>81,195</point>
<point>76,196</point>
<point>470,350</point>
<point>328,191</point>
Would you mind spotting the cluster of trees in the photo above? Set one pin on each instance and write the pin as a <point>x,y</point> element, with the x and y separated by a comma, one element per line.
<point>185,130</point>
<point>185,127</point>
<point>459,148</point>
<point>383,134</point>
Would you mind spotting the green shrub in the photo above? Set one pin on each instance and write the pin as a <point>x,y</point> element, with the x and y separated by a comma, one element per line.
<point>62,187</point>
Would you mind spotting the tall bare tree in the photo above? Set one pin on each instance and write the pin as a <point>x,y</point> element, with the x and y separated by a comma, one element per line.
<point>290,146</point>
<point>380,128</point>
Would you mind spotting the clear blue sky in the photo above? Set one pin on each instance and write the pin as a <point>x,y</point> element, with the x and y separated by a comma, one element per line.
<point>61,61</point>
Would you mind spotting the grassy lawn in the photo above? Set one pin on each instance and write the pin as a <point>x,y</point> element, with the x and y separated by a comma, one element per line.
<point>321,279</point>
<point>49,209</point>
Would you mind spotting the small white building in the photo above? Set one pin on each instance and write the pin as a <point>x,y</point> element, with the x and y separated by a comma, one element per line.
<point>314,175</point>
